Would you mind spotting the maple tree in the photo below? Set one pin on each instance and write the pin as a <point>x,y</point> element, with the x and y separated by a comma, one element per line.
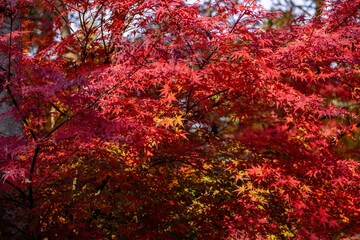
<point>171,120</point>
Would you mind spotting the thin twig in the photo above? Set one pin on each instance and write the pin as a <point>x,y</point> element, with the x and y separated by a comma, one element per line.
<point>345,19</point>
<point>16,188</point>
<point>207,97</point>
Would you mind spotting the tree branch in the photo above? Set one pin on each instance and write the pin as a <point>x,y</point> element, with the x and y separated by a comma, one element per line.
<point>207,97</point>
<point>16,105</point>
<point>33,162</point>
<point>22,193</point>
<point>59,110</point>
<point>345,19</point>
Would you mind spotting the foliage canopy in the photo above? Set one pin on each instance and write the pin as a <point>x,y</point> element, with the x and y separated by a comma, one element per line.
<point>147,119</point>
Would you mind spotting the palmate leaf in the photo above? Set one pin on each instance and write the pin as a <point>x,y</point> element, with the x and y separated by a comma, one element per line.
<point>13,173</point>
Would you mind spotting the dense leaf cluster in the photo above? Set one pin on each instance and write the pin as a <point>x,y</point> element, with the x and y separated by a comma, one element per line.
<point>147,119</point>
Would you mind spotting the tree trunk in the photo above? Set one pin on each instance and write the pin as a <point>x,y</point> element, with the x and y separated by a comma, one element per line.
<point>318,6</point>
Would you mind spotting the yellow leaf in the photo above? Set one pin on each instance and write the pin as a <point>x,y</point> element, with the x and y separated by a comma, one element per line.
<point>178,121</point>
<point>167,122</point>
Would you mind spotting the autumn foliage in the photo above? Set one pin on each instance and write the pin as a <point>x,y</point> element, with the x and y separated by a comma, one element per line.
<point>147,119</point>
